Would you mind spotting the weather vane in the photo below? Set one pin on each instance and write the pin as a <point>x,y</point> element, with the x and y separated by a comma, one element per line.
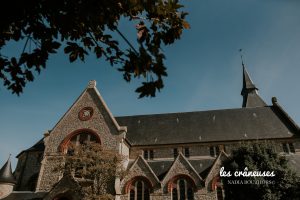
<point>240,50</point>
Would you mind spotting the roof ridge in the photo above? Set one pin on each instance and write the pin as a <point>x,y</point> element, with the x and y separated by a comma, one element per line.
<point>188,112</point>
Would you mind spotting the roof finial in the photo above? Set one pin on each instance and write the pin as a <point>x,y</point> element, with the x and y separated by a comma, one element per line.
<point>241,54</point>
<point>92,84</point>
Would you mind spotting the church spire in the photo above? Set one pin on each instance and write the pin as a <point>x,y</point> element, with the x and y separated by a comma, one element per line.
<point>6,175</point>
<point>249,92</point>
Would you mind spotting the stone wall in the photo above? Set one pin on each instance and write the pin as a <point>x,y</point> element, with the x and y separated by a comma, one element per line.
<point>100,123</point>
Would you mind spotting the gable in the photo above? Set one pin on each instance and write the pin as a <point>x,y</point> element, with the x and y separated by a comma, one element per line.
<point>181,166</point>
<point>140,168</point>
<point>90,113</point>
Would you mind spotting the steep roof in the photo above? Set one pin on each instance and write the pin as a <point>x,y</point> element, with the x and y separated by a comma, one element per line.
<point>249,92</point>
<point>207,126</point>
<point>160,168</point>
<point>39,146</point>
<point>6,175</point>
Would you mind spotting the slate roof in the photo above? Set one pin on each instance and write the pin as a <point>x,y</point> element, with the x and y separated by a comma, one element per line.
<point>39,146</point>
<point>249,92</point>
<point>6,175</point>
<point>202,166</point>
<point>160,168</point>
<point>207,126</point>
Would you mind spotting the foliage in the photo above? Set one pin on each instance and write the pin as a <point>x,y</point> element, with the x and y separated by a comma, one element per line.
<point>84,27</point>
<point>260,157</point>
<point>95,168</point>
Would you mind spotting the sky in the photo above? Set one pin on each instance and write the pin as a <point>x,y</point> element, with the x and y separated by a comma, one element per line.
<point>204,71</point>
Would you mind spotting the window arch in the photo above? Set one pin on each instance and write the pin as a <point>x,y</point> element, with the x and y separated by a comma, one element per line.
<point>78,137</point>
<point>139,189</point>
<point>182,187</point>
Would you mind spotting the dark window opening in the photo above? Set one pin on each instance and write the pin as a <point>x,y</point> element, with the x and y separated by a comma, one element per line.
<point>292,148</point>
<point>217,150</point>
<point>187,152</point>
<point>182,189</point>
<point>146,194</point>
<point>139,191</point>
<point>174,194</point>
<point>175,152</point>
<point>151,155</point>
<point>131,197</point>
<point>190,194</point>
<point>146,154</point>
<point>139,188</point>
<point>285,148</point>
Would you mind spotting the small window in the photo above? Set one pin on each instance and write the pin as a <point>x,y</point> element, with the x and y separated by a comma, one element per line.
<point>175,152</point>
<point>212,151</point>
<point>292,148</point>
<point>151,155</point>
<point>285,148</point>
<point>217,150</point>
<point>146,156</point>
<point>187,152</point>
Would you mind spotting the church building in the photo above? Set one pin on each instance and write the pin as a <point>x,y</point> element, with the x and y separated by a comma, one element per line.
<point>171,156</point>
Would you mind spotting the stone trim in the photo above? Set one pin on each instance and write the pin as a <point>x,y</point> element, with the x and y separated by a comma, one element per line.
<point>135,179</point>
<point>67,139</point>
<point>177,160</point>
<point>181,176</point>
<point>146,164</point>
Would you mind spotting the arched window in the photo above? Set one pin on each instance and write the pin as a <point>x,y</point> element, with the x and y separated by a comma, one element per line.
<point>77,138</point>
<point>139,190</point>
<point>132,194</point>
<point>182,188</point>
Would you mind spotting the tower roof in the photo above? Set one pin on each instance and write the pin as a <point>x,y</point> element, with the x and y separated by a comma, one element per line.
<point>249,92</point>
<point>247,82</point>
<point>6,175</point>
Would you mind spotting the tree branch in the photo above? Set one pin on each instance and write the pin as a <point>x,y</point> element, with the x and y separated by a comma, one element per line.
<point>121,34</point>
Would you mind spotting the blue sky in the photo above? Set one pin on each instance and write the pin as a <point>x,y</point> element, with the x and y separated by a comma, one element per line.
<point>204,71</point>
